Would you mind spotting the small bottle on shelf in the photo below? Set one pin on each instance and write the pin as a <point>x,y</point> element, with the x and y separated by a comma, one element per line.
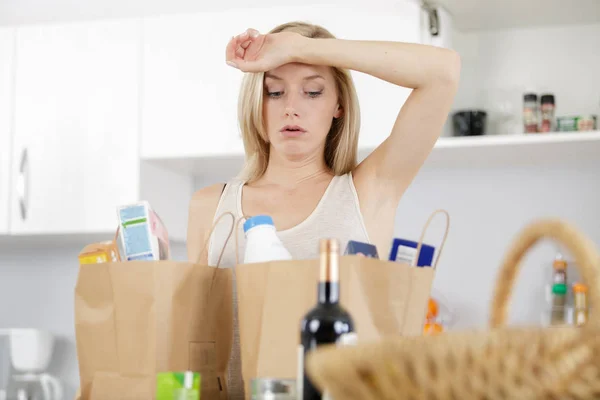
<point>547,110</point>
<point>580,309</point>
<point>559,291</point>
<point>530,113</point>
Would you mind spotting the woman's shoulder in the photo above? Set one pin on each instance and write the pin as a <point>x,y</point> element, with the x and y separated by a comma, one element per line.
<point>208,194</point>
<point>203,206</point>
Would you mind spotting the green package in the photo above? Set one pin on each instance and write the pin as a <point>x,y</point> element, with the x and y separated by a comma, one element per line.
<point>178,385</point>
<point>577,123</point>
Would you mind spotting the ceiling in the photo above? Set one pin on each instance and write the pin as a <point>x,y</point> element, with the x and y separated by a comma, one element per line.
<point>14,12</point>
<point>468,15</point>
<point>472,15</point>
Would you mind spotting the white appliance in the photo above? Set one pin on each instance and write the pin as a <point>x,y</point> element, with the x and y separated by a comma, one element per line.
<point>30,353</point>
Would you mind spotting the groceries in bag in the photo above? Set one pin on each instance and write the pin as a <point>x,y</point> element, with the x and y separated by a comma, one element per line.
<point>361,248</point>
<point>143,234</point>
<point>405,251</point>
<point>178,385</point>
<point>262,243</point>
<point>272,388</point>
<point>328,322</point>
<point>101,252</point>
<point>164,316</point>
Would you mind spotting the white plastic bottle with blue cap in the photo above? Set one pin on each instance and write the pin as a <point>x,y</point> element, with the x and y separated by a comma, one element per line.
<point>262,243</point>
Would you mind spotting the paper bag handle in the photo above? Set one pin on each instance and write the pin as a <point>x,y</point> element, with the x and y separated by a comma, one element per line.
<point>420,244</point>
<point>579,245</point>
<point>212,229</point>
<point>237,226</point>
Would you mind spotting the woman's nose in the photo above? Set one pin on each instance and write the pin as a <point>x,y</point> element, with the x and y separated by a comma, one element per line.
<point>290,111</point>
<point>291,106</point>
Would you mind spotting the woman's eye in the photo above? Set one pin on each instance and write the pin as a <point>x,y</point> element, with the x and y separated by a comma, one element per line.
<point>274,94</point>
<point>315,94</point>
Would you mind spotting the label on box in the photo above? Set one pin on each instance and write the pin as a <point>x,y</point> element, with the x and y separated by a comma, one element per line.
<point>406,255</point>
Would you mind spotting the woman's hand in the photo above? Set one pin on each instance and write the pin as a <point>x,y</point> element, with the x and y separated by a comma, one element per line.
<point>252,52</point>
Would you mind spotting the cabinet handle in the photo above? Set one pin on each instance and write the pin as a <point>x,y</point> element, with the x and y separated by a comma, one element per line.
<point>23,185</point>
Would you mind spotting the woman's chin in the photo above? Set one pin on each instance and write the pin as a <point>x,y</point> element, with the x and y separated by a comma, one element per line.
<point>295,151</point>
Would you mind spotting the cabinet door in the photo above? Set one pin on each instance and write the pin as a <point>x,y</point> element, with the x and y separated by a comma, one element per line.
<point>380,101</point>
<point>189,106</point>
<point>6,100</point>
<point>75,154</point>
<point>190,95</point>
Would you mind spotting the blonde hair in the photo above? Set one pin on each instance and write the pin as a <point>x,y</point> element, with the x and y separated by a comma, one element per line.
<point>342,140</point>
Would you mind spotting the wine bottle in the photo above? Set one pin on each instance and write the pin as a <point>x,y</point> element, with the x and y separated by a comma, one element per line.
<point>327,322</point>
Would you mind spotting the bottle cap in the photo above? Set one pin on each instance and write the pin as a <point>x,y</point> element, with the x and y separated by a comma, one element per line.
<point>547,99</point>
<point>257,220</point>
<point>559,263</point>
<point>580,287</point>
<point>559,288</point>
<point>530,97</point>
<point>329,245</point>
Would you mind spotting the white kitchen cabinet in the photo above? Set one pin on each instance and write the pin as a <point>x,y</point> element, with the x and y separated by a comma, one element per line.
<point>380,101</point>
<point>7,37</point>
<point>189,107</point>
<point>75,147</point>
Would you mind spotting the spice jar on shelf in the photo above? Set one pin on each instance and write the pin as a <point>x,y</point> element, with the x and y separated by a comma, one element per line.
<point>530,112</point>
<point>547,111</point>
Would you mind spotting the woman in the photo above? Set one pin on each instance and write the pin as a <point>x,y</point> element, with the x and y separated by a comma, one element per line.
<point>299,119</point>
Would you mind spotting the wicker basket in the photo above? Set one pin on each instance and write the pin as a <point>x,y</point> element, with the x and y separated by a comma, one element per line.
<point>501,363</point>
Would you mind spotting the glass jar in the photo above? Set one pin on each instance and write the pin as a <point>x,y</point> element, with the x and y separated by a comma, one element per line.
<point>580,311</point>
<point>547,110</point>
<point>273,389</point>
<point>530,113</point>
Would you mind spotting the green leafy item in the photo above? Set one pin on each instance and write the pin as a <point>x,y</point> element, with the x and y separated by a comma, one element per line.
<point>172,386</point>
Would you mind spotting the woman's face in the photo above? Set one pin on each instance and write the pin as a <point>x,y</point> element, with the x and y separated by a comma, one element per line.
<point>300,103</point>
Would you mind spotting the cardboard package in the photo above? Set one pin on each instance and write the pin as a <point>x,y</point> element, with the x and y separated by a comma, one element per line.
<point>143,235</point>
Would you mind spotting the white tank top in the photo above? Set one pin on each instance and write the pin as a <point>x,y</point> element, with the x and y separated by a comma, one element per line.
<point>337,215</point>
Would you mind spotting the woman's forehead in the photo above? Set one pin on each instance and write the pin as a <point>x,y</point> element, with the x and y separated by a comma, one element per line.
<point>299,71</point>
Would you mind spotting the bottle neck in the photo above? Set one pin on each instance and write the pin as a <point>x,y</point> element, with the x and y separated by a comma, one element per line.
<point>329,293</point>
<point>329,287</point>
<point>261,228</point>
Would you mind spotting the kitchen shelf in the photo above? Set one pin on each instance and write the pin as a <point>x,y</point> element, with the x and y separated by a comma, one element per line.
<point>544,149</point>
<point>578,148</point>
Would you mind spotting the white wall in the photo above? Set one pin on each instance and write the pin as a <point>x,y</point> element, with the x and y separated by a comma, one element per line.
<point>488,206</point>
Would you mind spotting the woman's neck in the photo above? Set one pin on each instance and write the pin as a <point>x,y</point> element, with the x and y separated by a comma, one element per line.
<point>290,173</point>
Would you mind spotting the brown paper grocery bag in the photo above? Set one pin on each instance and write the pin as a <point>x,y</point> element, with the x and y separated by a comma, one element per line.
<point>383,297</point>
<point>134,319</point>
